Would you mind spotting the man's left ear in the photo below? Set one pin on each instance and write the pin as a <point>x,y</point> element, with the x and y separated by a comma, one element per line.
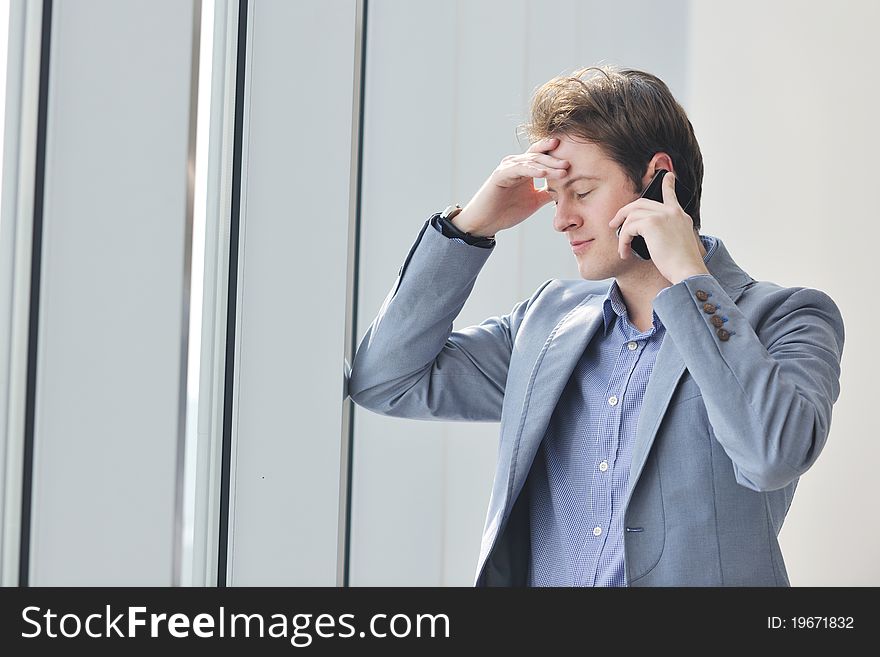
<point>661,160</point>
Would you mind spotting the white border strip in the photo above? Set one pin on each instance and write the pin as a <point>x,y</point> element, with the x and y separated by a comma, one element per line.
<point>212,372</point>
<point>16,234</point>
<point>179,548</point>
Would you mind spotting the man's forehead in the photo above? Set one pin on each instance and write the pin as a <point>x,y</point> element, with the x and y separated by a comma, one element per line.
<point>587,156</point>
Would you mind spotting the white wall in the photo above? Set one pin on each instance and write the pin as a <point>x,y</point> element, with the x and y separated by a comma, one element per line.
<point>111,341</point>
<point>785,99</point>
<point>292,282</point>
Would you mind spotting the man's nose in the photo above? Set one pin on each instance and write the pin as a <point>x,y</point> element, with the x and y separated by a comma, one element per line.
<point>566,217</point>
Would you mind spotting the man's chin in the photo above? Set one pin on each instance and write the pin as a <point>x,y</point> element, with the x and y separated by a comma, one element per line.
<point>590,274</point>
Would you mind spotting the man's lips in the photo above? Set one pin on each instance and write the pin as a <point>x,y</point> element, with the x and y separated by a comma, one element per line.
<point>580,245</point>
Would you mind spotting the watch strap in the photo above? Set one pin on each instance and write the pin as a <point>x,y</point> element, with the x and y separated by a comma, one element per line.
<point>443,220</point>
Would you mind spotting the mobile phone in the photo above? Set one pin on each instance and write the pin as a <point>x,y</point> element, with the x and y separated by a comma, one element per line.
<point>654,191</point>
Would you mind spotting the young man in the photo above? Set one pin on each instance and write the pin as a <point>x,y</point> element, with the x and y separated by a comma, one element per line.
<point>653,429</point>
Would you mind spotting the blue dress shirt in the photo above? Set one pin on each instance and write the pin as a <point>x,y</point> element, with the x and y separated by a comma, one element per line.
<point>580,473</point>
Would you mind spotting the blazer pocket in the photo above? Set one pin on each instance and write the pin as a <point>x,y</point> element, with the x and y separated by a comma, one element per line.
<point>645,523</point>
<point>687,389</point>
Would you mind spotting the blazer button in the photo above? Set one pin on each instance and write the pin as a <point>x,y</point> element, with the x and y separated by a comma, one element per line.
<point>723,334</point>
<point>717,322</point>
<point>701,295</point>
<point>709,308</point>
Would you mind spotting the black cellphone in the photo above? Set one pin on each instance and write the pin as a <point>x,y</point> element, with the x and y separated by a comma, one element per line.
<point>654,191</point>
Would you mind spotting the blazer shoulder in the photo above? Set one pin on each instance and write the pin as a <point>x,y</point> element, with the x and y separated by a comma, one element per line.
<point>771,303</point>
<point>569,291</point>
<point>552,300</point>
<point>774,295</point>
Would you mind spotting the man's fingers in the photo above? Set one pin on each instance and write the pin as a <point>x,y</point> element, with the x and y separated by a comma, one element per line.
<point>629,229</point>
<point>516,173</point>
<point>623,240</point>
<point>638,204</point>
<point>543,196</point>
<point>533,170</point>
<point>622,214</point>
<point>668,187</point>
<point>535,163</point>
<point>543,145</point>
<point>549,160</point>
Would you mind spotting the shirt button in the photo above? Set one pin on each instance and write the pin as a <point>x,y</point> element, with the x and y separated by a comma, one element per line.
<point>597,531</point>
<point>632,346</point>
<point>612,400</point>
<point>603,466</point>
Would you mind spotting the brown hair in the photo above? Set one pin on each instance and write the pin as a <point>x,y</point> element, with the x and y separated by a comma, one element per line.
<point>628,113</point>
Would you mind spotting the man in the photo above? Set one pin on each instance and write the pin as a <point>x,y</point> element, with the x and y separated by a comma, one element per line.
<point>653,429</point>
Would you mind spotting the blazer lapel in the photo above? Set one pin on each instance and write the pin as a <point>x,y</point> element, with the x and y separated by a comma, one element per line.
<point>668,369</point>
<point>561,352</point>
<point>670,366</point>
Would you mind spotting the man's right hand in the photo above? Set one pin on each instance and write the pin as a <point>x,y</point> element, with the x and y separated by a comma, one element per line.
<point>508,197</point>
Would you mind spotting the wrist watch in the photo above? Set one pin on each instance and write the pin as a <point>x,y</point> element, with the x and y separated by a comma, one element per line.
<point>444,219</point>
<point>449,213</point>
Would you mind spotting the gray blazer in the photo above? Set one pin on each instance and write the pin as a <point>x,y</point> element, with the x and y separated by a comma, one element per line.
<point>726,426</point>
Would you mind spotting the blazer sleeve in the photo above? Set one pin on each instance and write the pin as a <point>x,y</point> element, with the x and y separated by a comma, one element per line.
<point>410,363</point>
<point>768,389</point>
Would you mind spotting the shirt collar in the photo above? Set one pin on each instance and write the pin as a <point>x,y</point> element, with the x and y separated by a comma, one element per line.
<point>613,305</point>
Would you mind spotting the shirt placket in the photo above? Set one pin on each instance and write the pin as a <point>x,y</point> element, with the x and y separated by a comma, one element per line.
<point>608,441</point>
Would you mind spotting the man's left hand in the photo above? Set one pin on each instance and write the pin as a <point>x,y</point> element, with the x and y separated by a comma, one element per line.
<point>668,231</point>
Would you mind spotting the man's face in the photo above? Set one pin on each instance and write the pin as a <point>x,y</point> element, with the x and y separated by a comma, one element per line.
<point>586,200</point>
